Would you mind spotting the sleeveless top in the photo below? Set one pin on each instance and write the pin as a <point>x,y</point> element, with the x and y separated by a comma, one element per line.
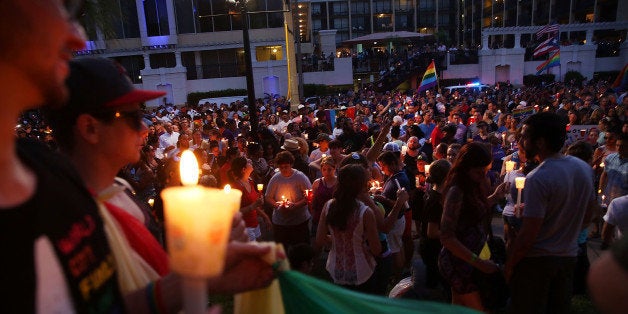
<point>322,194</point>
<point>349,262</point>
<point>248,198</point>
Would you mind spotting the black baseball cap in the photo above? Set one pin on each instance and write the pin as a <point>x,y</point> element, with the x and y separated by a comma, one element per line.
<point>99,83</point>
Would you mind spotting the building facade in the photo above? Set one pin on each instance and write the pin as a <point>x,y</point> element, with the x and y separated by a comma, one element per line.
<point>184,46</point>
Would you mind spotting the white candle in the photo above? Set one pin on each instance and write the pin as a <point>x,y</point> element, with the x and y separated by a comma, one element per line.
<point>260,187</point>
<point>510,165</point>
<point>306,136</point>
<point>404,149</point>
<point>427,169</point>
<point>519,184</point>
<point>406,205</point>
<point>198,220</point>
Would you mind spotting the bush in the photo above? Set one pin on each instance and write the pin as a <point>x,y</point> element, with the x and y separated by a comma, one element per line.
<point>608,76</point>
<point>574,76</point>
<point>310,90</point>
<point>195,97</point>
<point>536,80</point>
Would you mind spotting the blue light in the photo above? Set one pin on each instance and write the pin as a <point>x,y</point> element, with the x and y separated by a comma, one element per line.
<point>473,84</point>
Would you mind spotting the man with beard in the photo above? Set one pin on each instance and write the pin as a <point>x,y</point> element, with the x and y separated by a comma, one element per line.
<point>559,200</point>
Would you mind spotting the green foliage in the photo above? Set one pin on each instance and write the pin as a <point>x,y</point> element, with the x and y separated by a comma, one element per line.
<point>536,80</point>
<point>193,98</point>
<point>310,90</point>
<point>608,76</point>
<point>575,76</point>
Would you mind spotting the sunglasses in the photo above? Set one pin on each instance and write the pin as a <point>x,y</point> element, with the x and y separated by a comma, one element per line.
<point>134,118</point>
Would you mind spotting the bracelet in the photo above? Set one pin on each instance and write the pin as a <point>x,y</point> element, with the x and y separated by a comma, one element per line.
<point>474,258</point>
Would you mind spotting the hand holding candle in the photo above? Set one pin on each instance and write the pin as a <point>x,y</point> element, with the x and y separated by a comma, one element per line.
<point>406,205</point>
<point>260,187</point>
<point>198,220</point>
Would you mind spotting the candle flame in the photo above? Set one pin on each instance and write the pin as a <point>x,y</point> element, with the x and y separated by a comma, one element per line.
<point>227,188</point>
<point>188,168</point>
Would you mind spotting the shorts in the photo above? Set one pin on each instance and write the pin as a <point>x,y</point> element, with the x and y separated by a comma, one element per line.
<point>394,235</point>
<point>254,233</point>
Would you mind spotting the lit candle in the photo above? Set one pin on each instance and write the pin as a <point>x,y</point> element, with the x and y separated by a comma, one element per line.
<point>510,165</point>
<point>306,136</point>
<point>198,220</point>
<point>406,205</point>
<point>602,165</point>
<point>260,187</point>
<point>324,155</point>
<point>404,149</point>
<point>427,169</point>
<point>151,202</point>
<point>519,184</point>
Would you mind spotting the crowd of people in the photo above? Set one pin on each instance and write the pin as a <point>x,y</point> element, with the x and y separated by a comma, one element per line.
<point>357,177</point>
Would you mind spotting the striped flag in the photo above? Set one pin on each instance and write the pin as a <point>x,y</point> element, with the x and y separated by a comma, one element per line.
<point>621,82</point>
<point>429,78</point>
<point>553,61</point>
<point>547,29</point>
<point>547,46</point>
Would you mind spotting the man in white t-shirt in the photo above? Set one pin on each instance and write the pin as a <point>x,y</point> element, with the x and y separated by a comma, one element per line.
<point>616,218</point>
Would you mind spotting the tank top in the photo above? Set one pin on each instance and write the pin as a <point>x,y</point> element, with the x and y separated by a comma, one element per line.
<point>349,262</point>
<point>322,194</point>
<point>248,198</point>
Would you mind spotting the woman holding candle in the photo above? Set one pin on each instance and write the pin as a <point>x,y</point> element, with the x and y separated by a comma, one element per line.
<point>512,213</point>
<point>466,217</point>
<point>353,233</point>
<point>323,189</point>
<point>252,200</point>
<point>285,190</point>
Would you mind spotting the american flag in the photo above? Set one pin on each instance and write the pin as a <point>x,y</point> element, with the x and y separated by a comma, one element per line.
<point>547,29</point>
<point>549,45</point>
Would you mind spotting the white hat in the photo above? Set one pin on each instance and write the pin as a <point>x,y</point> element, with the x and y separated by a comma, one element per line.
<point>300,106</point>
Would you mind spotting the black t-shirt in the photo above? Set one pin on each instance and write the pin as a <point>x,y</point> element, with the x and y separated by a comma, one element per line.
<point>432,212</point>
<point>63,211</point>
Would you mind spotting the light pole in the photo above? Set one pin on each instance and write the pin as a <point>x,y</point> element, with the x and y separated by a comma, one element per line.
<point>248,63</point>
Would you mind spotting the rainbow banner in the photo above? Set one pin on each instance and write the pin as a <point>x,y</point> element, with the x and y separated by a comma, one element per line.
<point>621,82</point>
<point>553,61</point>
<point>429,78</point>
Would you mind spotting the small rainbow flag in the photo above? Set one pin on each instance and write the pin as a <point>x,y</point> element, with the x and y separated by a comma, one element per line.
<point>553,61</point>
<point>621,82</point>
<point>429,78</point>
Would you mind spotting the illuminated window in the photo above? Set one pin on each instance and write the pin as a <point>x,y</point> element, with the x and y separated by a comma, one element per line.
<point>268,53</point>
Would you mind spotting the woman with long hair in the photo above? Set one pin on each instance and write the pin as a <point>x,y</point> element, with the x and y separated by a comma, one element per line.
<point>352,233</point>
<point>251,201</point>
<point>466,219</point>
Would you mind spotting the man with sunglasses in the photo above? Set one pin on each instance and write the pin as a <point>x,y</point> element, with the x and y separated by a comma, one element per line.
<point>57,257</point>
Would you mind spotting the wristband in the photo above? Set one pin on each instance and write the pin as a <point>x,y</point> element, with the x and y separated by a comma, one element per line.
<point>474,258</point>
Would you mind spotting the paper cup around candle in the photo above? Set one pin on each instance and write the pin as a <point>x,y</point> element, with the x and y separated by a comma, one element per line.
<point>520,182</point>
<point>427,169</point>
<point>198,220</point>
<point>260,187</point>
<point>510,165</point>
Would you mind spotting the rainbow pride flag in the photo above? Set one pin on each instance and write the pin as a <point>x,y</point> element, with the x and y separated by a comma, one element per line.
<point>621,82</point>
<point>553,61</point>
<point>429,78</point>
